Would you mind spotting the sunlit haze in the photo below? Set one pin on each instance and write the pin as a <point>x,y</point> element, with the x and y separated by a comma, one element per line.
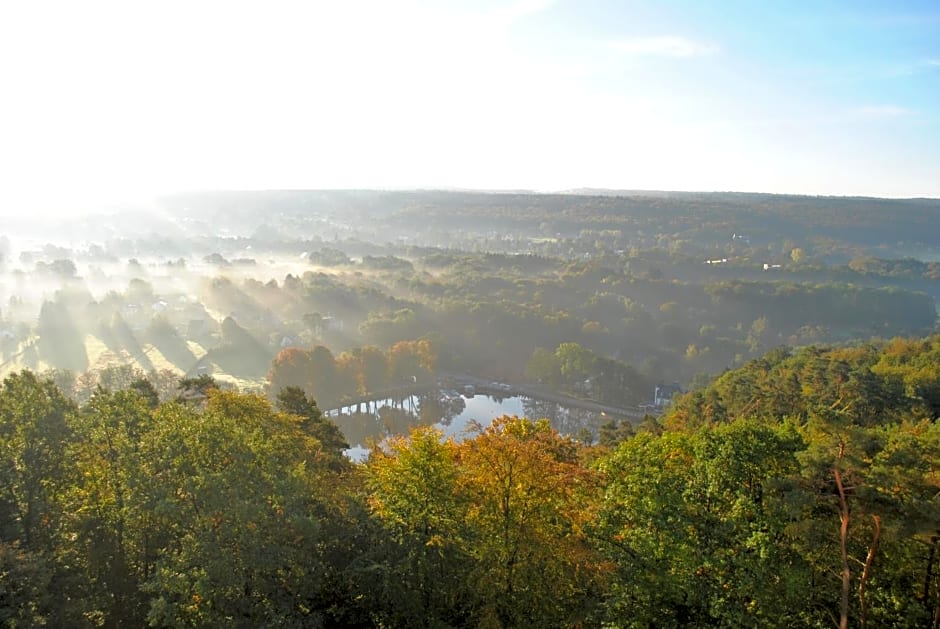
<point>112,100</point>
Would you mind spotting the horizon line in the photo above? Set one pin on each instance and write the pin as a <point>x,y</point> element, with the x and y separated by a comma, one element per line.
<point>579,191</point>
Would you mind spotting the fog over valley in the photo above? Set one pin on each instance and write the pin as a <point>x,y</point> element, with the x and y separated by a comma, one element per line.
<point>469,314</point>
<point>674,285</point>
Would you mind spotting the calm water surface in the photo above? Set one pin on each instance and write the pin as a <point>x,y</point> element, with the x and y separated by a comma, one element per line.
<point>454,415</point>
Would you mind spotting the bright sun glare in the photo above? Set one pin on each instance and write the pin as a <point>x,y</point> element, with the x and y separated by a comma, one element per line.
<point>107,100</point>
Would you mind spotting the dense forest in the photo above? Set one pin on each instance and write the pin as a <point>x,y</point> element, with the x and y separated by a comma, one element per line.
<point>173,451</point>
<point>676,286</point>
<point>795,491</point>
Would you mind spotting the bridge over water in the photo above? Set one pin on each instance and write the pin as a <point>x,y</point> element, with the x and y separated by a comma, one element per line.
<point>397,396</point>
<point>403,397</point>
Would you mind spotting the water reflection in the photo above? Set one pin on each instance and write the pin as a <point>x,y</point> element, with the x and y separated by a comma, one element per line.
<point>577,422</point>
<point>454,415</point>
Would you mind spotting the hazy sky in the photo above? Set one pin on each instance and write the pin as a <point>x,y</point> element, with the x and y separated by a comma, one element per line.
<point>110,99</point>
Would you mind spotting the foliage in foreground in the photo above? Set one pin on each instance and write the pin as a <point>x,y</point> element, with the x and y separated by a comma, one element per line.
<point>800,491</point>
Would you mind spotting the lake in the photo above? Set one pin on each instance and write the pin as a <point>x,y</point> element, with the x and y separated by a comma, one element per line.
<point>454,415</point>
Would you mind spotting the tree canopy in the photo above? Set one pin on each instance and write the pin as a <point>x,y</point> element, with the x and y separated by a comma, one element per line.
<point>800,490</point>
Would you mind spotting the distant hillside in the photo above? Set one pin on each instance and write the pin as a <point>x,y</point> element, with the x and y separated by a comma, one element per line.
<point>895,224</point>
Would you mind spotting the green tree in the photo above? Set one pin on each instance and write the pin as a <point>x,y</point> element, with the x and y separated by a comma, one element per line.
<point>872,496</point>
<point>575,362</point>
<point>27,591</point>
<point>691,523</point>
<point>33,438</point>
<point>531,499</point>
<point>146,390</point>
<point>293,400</point>
<point>413,491</point>
<point>116,543</point>
<point>239,492</point>
<point>196,389</point>
<point>543,367</point>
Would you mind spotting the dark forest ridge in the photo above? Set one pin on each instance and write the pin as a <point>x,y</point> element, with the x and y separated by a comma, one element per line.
<point>897,227</point>
<point>585,191</point>
<point>626,192</point>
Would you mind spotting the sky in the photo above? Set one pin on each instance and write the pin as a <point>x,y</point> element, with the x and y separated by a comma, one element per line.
<point>110,100</point>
